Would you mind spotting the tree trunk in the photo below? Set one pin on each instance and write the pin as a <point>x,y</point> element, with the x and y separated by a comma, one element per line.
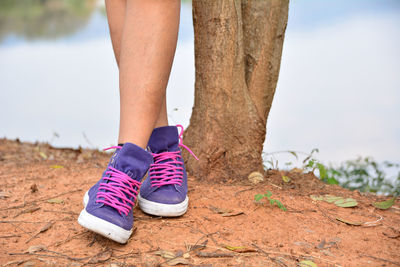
<point>238,47</point>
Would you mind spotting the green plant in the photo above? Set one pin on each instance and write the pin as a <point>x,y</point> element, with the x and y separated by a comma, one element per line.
<point>363,173</point>
<point>367,175</point>
<point>327,175</point>
<point>272,201</point>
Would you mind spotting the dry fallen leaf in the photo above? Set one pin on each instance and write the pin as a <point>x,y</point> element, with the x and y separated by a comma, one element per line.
<point>349,222</point>
<point>41,230</point>
<point>173,258</point>
<point>43,155</point>
<point>4,194</point>
<point>33,249</point>
<point>219,210</point>
<point>186,255</point>
<point>101,257</point>
<point>178,260</point>
<point>255,177</point>
<point>55,201</point>
<point>56,166</point>
<point>34,188</point>
<point>241,249</point>
<point>286,179</point>
<point>233,213</point>
<point>46,227</point>
<point>392,233</point>
<point>225,212</point>
<point>307,263</point>
<point>296,170</point>
<point>165,254</point>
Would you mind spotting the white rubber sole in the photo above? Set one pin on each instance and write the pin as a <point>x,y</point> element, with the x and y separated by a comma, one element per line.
<point>164,210</point>
<point>101,226</point>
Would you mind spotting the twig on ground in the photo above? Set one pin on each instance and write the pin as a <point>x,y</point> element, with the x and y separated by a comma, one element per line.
<point>260,250</point>
<point>214,255</point>
<point>326,215</point>
<point>279,261</point>
<point>59,220</point>
<point>11,222</point>
<point>177,220</point>
<point>208,234</point>
<point>374,223</point>
<point>277,186</point>
<point>150,245</point>
<point>64,212</point>
<point>41,230</point>
<point>58,255</point>
<point>300,211</point>
<point>101,257</point>
<point>93,241</point>
<point>381,259</point>
<point>244,190</point>
<point>15,263</point>
<point>28,210</point>
<point>127,255</point>
<point>9,236</point>
<point>147,218</point>
<point>294,255</point>
<point>61,255</point>
<point>257,207</point>
<point>394,229</point>
<point>191,247</point>
<point>19,228</point>
<point>197,247</point>
<point>65,219</point>
<point>58,243</point>
<point>266,254</point>
<point>40,200</point>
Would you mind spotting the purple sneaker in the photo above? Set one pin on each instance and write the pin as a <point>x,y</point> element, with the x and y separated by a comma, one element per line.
<point>109,203</point>
<point>164,192</point>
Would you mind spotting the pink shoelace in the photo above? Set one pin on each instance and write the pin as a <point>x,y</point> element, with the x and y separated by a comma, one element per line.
<point>118,188</point>
<point>167,168</point>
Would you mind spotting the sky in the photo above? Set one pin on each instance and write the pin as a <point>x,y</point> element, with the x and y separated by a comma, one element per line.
<point>338,85</point>
<point>338,89</point>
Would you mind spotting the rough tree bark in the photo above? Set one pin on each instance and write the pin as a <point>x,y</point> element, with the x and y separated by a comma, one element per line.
<point>238,47</point>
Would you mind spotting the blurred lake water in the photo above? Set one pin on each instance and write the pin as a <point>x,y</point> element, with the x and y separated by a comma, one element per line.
<point>338,88</point>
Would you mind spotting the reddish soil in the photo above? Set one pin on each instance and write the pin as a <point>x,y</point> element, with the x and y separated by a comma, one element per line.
<point>33,174</point>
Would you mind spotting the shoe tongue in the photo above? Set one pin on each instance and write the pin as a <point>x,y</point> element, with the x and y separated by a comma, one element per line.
<point>132,160</point>
<point>164,139</point>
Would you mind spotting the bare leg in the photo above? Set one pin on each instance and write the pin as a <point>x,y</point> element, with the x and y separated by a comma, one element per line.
<point>144,34</point>
<point>163,116</point>
<point>116,10</point>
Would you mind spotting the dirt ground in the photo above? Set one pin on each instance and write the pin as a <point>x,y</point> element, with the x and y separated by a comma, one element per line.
<point>41,190</point>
